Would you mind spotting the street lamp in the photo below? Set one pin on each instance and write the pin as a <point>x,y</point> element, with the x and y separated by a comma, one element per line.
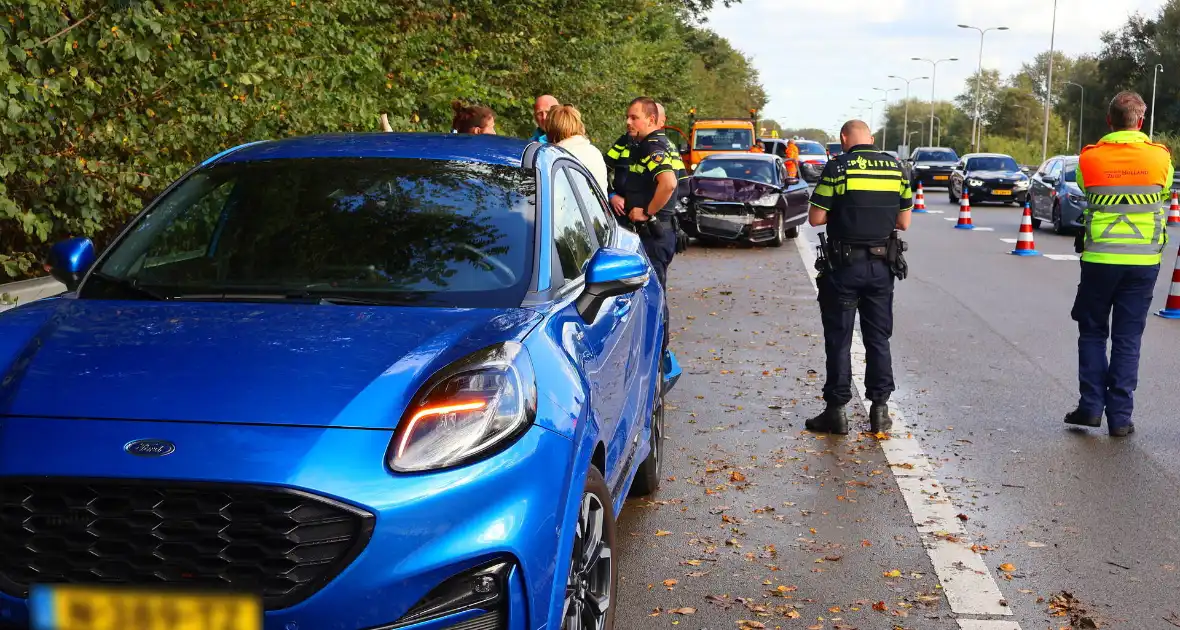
<point>933,79</point>
<point>1049,87</point>
<point>872,111</point>
<point>885,114</point>
<point>979,78</point>
<point>1154,77</point>
<point>1081,108</point>
<point>939,131</point>
<point>907,103</point>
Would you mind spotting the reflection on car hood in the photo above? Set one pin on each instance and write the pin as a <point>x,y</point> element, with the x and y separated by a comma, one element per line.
<point>253,363</point>
<point>1014,176</point>
<point>739,190</point>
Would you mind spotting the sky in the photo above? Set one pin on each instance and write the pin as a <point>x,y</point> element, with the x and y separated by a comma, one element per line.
<point>816,58</point>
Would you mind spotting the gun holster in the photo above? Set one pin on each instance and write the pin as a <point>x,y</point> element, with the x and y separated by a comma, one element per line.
<point>894,255</point>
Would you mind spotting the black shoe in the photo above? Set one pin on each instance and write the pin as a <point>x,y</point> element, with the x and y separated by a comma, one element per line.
<point>1123,431</point>
<point>1080,418</point>
<point>879,420</point>
<point>832,420</point>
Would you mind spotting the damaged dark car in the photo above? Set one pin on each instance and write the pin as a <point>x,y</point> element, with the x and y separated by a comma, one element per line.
<point>745,198</point>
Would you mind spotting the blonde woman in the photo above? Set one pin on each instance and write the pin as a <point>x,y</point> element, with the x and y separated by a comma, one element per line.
<point>564,127</point>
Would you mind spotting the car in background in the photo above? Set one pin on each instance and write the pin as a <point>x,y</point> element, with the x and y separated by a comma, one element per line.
<point>988,177</point>
<point>902,164</point>
<point>932,166</point>
<point>834,149</point>
<point>746,198</point>
<point>340,381</point>
<point>813,156</point>
<point>1054,195</point>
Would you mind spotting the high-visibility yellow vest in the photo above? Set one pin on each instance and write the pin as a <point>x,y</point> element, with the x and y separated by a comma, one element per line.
<point>1126,179</point>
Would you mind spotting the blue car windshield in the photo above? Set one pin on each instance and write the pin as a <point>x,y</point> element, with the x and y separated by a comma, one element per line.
<point>1071,172</point>
<point>754,170</point>
<point>389,231</point>
<point>992,164</point>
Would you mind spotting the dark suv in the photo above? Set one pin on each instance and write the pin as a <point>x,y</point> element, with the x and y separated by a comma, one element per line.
<point>932,166</point>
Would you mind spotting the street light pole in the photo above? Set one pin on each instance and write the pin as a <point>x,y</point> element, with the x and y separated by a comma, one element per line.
<point>1049,87</point>
<point>939,130</point>
<point>979,79</point>
<point>907,103</point>
<point>933,80</point>
<point>885,114</point>
<point>1081,108</point>
<point>1154,78</point>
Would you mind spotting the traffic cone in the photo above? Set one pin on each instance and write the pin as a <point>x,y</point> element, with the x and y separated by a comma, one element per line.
<point>1024,241</point>
<point>1174,211</point>
<point>964,213</point>
<point>1171,309</point>
<point>920,200</point>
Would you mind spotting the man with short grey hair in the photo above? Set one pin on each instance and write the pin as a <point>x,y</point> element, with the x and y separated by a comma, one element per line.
<point>541,109</point>
<point>1126,179</point>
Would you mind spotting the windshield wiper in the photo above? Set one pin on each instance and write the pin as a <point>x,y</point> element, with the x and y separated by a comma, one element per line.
<point>289,296</point>
<point>130,284</point>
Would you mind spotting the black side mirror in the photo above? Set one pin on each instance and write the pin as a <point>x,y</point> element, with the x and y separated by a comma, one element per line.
<point>69,260</point>
<point>1049,179</point>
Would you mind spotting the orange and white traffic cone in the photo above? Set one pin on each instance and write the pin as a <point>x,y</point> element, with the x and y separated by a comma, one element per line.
<point>1174,211</point>
<point>1024,241</point>
<point>1171,309</point>
<point>965,213</point>
<point>920,200</point>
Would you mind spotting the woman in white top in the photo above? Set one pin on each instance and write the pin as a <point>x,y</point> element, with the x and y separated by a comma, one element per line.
<point>565,129</point>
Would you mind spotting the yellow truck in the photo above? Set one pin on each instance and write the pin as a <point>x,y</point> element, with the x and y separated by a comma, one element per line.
<point>708,136</point>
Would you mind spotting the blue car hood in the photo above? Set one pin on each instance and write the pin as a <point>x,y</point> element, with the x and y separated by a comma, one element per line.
<point>293,364</point>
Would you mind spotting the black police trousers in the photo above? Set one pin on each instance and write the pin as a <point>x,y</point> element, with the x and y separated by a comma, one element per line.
<point>660,251</point>
<point>864,286</point>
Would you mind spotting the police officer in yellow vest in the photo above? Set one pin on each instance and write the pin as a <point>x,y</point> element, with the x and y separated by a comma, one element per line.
<point>1126,180</point>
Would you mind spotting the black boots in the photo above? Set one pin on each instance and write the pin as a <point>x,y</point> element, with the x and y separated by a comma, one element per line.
<point>879,420</point>
<point>1080,418</point>
<point>832,420</point>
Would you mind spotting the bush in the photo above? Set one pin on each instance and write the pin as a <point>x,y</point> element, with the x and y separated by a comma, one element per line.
<point>104,102</point>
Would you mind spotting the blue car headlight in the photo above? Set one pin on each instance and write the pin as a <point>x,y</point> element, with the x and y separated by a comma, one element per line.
<point>466,411</point>
<point>1077,199</point>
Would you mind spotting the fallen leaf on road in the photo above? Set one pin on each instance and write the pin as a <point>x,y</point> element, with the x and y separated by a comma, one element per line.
<point>737,476</point>
<point>1008,566</point>
<point>692,563</point>
<point>961,517</point>
<point>683,611</point>
<point>892,574</point>
<point>662,533</point>
<point>744,624</point>
<point>793,614</point>
<point>1036,545</point>
<point>671,583</point>
<point>880,607</point>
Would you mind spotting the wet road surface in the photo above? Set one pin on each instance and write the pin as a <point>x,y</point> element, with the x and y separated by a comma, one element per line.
<point>761,522</point>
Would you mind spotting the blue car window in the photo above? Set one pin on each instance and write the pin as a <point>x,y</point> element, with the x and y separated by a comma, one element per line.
<point>570,234</point>
<point>397,231</point>
<point>595,207</point>
<point>1071,172</point>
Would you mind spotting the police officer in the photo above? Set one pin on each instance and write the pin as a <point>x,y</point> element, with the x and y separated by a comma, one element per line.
<point>618,166</point>
<point>863,198</point>
<point>651,186</point>
<point>1126,179</point>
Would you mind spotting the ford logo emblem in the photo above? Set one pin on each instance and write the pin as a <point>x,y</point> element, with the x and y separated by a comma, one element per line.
<point>150,448</point>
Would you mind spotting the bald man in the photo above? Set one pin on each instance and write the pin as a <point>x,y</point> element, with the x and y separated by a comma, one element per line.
<point>541,114</point>
<point>863,198</point>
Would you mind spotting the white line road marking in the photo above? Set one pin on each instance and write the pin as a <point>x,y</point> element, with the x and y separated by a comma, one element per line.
<point>984,229</point>
<point>1009,240</point>
<point>987,624</point>
<point>1062,257</point>
<point>950,218</point>
<point>965,579</point>
<point>935,212</point>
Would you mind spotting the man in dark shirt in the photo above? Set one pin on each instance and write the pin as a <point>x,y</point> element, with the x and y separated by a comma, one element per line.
<point>651,185</point>
<point>862,197</point>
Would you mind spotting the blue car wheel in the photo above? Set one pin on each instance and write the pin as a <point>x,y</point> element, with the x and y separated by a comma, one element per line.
<point>593,578</point>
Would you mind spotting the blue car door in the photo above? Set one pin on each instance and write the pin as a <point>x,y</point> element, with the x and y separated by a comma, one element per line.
<point>621,352</point>
<point>602,343</point>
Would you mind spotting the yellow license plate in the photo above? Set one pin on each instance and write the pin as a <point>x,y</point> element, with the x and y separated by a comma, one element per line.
<point>941,177</point>
<point>1001,192</point>
<point>72,607</point>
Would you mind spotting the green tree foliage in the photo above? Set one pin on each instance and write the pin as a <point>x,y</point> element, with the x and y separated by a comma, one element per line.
<point>104,102</point>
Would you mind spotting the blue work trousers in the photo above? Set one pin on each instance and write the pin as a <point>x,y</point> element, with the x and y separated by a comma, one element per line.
<point>1112,302</point>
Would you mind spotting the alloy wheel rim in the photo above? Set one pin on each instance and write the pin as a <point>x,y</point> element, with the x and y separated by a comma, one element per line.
<point>588,587</point>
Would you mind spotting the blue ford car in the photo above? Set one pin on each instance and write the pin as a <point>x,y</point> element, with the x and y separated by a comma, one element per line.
<point>336,382</point>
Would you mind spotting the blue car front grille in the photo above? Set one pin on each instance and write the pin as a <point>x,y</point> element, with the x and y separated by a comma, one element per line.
<point>280,543</point>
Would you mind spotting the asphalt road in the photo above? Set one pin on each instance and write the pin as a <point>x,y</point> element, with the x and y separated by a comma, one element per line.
<point>758,520</point>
